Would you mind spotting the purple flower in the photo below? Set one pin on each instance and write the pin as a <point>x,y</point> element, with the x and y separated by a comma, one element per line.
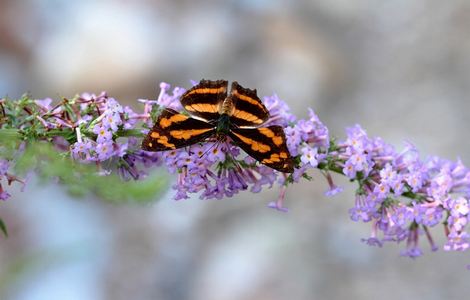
<point>113,107</point>
<point>415,180</point>
<point>457,241</point>
<point>216,152</point>
<point>432,216</point>
<point>412,252</point>
<point>104,151</point>
<point>388,175</point>
<point>130,118</point>
<point>309,156</point>
<point>349,170</point>
<point>357,138</point>
<point>402,216</point>
<point>103,133</point>
<point>111,120</point>
<point>170,101</point>
<point>279,111</point>
<point>333,190</point>
<point>381,190</point>
<point>361,213</point>
<point>458,207</point>
<point>412,249</point>
<point>320,136</point>
<point>293,139</point>
<point>440,185</point>
<point>457,223</point>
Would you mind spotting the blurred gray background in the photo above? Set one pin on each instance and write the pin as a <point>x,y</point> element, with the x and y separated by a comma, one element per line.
<point>399,68</point>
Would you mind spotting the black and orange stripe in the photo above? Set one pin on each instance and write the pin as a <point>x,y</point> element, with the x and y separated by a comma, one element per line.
<point>267,145</point>
<point>248,108</point>
<point>174,130</point>
<point>203,99</point>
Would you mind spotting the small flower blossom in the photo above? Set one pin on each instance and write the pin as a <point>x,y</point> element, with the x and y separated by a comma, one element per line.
<point>333,188</point>
<point>111,120</point>
<point>81,150</point>
<point>279,111</point>
<point>104,151</point>
<point>309,156</point>
<point>457,241</point>
<point>459,207</point>
<point>103,133</point>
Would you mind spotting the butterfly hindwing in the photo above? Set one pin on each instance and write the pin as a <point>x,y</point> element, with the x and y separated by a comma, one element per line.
<point>174,130</point>
<point>266,144</point>
<point>203,99</point>
<point>248,109</point>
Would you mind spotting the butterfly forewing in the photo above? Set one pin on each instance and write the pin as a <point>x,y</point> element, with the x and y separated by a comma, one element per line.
<point>174,130</point>
<point>266,144</point>
<point>248,109</point>
<point>203,99</point>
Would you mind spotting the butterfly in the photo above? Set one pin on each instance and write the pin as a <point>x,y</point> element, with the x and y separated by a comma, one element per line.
<point>213,113</point>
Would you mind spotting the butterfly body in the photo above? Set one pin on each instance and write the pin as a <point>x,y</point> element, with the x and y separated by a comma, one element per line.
<point>214,114</point>
<point>223,126</point>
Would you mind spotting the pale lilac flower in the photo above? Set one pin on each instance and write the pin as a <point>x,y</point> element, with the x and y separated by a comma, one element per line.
<point>349,170</point>
<point>81,150</point>
<point>104,134</point>
<point>279,111</point>
<point>309,156</point>
<point>457,241</point>
<point>111,120</point>
<point>402,215</point>
<point>333,190</point>
<point>458,207</point>
<point>104,150</point>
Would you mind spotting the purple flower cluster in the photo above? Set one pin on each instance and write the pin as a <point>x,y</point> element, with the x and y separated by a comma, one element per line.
<point>97,132</point>
<point>403,196</point>
<point>100,146</point>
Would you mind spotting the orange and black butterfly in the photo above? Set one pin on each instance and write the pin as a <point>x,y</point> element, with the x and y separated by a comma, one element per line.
<point>239,115</point>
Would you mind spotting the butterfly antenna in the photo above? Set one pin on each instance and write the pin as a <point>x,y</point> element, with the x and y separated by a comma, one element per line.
<point>210,148</point>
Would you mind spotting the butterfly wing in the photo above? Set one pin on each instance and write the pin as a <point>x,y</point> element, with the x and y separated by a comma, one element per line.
<point>248,109</point>
<point>174,130</point>
<point>203,99</point>
<point>266,144</point>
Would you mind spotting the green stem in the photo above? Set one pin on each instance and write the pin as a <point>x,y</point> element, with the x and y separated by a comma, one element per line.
<point>130,132</point>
